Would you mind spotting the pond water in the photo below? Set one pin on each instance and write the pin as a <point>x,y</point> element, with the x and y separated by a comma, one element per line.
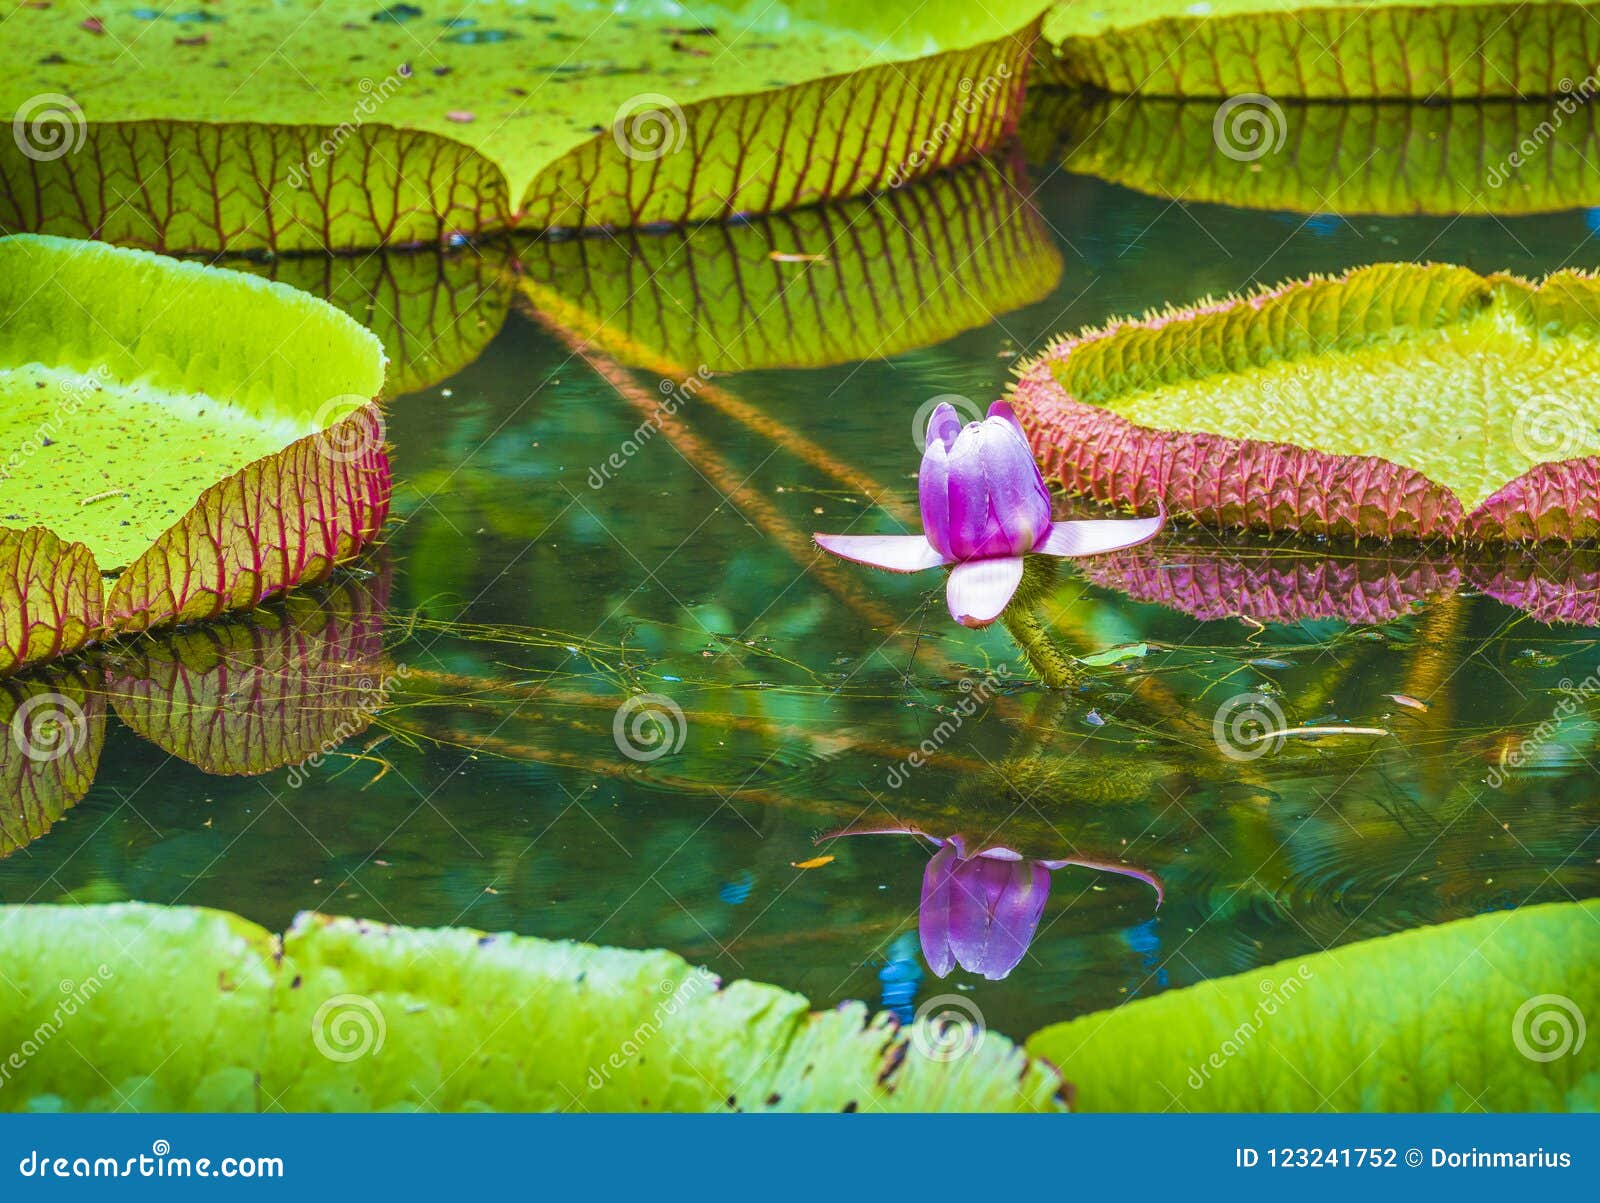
<point>545,563</point>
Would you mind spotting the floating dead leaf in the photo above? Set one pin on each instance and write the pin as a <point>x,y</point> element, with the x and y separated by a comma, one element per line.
<point>816,862</point>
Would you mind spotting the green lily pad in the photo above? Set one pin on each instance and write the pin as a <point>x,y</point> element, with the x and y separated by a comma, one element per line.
<point>1483,1013</point>
<point>488,116</point>
<point>130,1007</point>
<point>211,437</point>
<point>1397,400</point>
<point>856,280</point>
<point>1328,50</point>
<point>1496,157</point>
<point>346,1015</point>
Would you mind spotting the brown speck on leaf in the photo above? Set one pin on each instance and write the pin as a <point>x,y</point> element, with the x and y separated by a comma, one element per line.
<point>199,39</point>
<point>93,25</point>
<point>224,983</point>
<point>683,47</point>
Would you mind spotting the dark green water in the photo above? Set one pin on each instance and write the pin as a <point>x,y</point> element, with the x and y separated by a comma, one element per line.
<point>476,667</point>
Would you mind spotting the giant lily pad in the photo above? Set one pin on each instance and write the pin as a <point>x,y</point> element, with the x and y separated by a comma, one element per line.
<point>1324,49</point>
<point>346,1015</point>
<point>406,126</point>
<point>1398,400</point>
<point>209,438</point>
<point>856,280</point>
<point>1495,157</point>
<point>1483,1013</point>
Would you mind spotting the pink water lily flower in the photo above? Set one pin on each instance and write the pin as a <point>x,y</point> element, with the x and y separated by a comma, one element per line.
<point>984,507</point>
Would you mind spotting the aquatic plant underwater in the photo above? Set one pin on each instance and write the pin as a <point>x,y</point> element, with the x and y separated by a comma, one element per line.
<point>436,668</point>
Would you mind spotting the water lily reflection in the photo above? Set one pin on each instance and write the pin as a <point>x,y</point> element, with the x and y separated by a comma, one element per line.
<point>981,910</point>
<point>984,506</point>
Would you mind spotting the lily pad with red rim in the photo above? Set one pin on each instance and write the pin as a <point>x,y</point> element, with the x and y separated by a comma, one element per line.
<point>184,441</point>
<point>577,116</point>
<point>1399,400</point>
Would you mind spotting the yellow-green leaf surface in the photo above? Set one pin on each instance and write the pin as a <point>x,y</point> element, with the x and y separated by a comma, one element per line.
<point>856,280</point>
<point>347,125</point>
<point>1484,1013</point>
<point>132,1008</point>
<point>345,1015</point>
<point>211,435</point>
<point>1497,157</point>
<point>1343,50</point>
<point>1400,399</point>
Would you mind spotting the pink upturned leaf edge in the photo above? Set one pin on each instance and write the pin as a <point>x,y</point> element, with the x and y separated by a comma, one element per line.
<point>280,522</point>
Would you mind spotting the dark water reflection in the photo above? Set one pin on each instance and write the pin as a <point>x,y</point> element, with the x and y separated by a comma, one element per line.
<point>487,784</point>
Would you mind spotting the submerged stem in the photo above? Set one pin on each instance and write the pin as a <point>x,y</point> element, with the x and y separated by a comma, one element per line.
<point>1055,668</point>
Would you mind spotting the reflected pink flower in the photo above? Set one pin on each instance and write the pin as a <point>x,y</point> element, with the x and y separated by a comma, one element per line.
<point>984,507</point>
<point>981,909</point>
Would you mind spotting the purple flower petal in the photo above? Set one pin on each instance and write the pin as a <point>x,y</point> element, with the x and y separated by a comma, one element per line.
<point>970,516</point>
<point>943,426</point>
<point>1092,537</point>
<point>1019,503</point>
<point>933,915</point>
<point>995,906</point>
<point>980,589</point>
<point>1003,410</point>
<point>933,489</point>
<point>1109,866</point>
<point>897,553</point>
